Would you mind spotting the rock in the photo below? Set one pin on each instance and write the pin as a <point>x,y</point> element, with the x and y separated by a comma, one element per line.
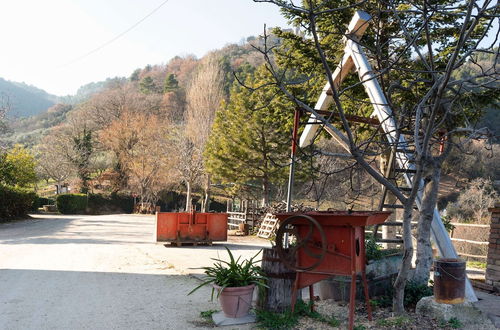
<point>221,320</point>
<point>466,313</point>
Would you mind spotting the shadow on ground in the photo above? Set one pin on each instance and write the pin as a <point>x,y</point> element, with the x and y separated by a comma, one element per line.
<point>46,299</point>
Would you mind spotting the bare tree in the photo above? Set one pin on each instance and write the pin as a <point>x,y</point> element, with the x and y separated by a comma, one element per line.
<point>412,59</point>
<point>204,96</point>
<point>143,145</point>
<point>5,107</point>
<point>52,162</point>
<point>188,164</point>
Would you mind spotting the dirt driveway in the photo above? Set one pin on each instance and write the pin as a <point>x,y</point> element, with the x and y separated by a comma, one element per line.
<point>102,272</point>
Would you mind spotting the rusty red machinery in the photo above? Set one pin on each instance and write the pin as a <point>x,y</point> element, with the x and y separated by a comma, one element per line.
<point>324,244</point>
<point>191,227</point>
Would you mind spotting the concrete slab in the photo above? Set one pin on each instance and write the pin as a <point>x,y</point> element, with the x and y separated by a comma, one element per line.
<point>221,320</point>
<point>489,304</point>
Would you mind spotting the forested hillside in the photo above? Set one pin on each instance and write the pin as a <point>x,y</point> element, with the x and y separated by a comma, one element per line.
<point>28,126</point>
<point>25,100</point>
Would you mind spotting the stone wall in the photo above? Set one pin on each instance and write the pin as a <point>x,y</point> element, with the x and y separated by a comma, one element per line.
<point>493,268</point>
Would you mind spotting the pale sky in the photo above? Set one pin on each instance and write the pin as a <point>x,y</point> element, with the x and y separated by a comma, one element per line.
<point>42,39</point>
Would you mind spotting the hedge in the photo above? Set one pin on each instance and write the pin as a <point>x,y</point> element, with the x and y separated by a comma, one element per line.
<point>15,202</point>
<point>71,203</point>
<point>41,201</point>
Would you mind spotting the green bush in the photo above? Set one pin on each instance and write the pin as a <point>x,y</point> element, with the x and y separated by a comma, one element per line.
<point>124,202</point>
<point>71,203</point>
<point>15,202</point>
<point>41,201</point>
<point>414,292</point>
<point>45,201</point>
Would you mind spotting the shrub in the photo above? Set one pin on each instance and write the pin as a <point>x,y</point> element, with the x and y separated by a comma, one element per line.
<point>41,201</point>
<point>473,203</point>
<point>414,292</point>
<point>71,203</point>
<point>45,201</point>
<point>124,202</point>
<point>15,201</point>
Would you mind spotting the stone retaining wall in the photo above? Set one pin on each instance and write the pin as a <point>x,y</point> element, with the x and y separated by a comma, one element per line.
<point>493,267</point>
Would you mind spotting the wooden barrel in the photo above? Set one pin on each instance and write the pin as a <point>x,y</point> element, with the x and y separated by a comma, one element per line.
<point>277,298</point>
<point>449,281</point>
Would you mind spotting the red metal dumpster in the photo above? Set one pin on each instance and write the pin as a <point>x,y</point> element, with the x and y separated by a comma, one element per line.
<point>185,227</point>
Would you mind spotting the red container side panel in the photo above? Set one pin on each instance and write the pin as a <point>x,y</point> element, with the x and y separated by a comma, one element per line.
<point>183,218</point>
<point>192,233</point>
<point>201,218</point>
<point>217,226</point>
<point>183,227</point>
<point>166,227</point>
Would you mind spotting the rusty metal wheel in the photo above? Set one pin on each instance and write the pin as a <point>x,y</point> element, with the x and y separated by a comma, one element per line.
<point>314,249</point>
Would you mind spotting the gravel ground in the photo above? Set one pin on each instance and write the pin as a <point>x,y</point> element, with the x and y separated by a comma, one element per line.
<point>383,318</point>
<point>106,272</point>
<point>102,272</point>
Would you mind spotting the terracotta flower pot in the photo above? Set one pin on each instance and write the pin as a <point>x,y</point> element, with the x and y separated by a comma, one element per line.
<point>236,301</point>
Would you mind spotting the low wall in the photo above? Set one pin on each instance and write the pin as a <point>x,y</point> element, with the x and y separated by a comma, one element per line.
<point>493,267</point>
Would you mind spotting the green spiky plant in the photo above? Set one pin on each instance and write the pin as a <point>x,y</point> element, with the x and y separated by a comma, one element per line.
<point>233,273</point>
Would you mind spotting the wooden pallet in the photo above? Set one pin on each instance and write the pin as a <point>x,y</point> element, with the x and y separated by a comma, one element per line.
<point>235,219</point>
<point>268,226</point>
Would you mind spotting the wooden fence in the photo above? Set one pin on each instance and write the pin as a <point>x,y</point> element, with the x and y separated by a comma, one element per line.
<point>471,240</point>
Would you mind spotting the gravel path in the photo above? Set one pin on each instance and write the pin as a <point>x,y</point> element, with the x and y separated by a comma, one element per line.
<point>102,272</point>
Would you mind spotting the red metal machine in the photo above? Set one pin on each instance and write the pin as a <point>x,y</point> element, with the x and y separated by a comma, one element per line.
<point>323,244</point>
<point>196,228</point>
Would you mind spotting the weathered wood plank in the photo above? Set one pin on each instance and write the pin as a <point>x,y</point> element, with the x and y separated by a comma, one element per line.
<point>278,297</point>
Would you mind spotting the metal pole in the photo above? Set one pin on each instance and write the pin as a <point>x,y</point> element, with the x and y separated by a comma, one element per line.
<point>296,119</point>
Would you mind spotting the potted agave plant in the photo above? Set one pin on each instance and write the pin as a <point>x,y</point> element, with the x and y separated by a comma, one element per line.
<point>234,281</point>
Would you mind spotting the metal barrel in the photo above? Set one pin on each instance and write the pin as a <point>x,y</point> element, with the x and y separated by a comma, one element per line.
<point>449,281</point>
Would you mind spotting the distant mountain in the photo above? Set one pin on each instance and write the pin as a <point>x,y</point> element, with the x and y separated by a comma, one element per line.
<point>26,100</point>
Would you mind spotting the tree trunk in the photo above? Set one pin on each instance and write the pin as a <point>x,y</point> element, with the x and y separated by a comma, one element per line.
<point>424,247</point>
<point>206,199</point>
<point>278,295</point>
<point>399,285</point>
<point>188,197</point>
<point>265,192</point>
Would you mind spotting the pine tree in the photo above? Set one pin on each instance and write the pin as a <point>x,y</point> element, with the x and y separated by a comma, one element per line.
<point>250,141</point>
<point>147,85</point>
<point>83,149</point>
<point>171,83</point>
<point>135,75</point>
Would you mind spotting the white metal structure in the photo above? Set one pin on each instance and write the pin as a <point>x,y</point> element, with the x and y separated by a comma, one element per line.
<point>355,59</point>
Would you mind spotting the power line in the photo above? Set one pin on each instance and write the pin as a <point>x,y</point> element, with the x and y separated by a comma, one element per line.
<point>116,37</point>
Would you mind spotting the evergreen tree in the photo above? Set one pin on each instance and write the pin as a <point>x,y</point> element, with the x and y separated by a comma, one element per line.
<point>135,75</point>
<point>250,140</point>
<point>147,85</point>
<point>83,148</point>
<point>171,84</point>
